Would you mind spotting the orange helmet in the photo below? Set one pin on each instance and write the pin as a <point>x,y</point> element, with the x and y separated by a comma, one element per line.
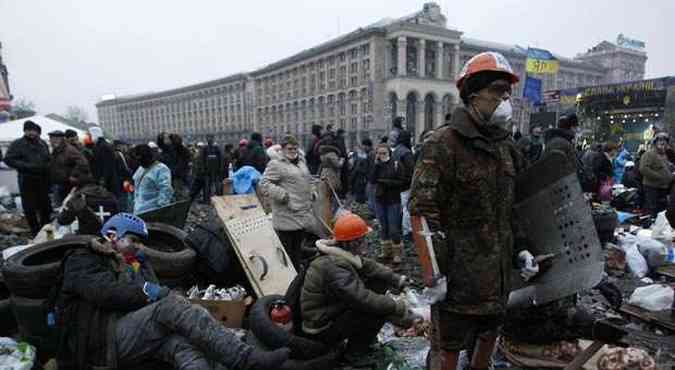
<point>350,227</point>
<point>487,61</point>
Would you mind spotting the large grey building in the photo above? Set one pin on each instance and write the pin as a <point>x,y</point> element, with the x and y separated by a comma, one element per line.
<point>359,82</point>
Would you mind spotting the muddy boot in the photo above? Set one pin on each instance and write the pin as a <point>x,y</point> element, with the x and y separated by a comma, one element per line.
<point>385,250</point>
<point>397,253</point>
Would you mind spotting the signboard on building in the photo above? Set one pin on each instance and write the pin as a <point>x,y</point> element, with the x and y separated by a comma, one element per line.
<point>626,42</point>
<point>552,96</point>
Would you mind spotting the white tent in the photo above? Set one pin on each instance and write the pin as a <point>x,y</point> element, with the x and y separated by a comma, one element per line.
<point>12,130</point>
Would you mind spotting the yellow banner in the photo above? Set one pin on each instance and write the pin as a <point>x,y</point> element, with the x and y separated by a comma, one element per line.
<point>542,66</point>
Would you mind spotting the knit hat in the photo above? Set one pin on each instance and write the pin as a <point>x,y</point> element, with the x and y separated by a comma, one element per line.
<point>70,133</point>
<point>30,125</point>
<point>289,140</point>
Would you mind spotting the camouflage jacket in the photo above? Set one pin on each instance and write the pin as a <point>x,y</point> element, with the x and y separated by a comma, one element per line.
<point>464,185</point>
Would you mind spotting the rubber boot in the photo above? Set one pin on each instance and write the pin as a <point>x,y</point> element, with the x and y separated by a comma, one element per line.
<point>397,253</point>
<point>482,353</point>
<point>385,250</point>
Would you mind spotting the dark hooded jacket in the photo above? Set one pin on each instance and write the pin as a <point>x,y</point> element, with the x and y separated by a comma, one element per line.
<point>98,288</point>
<point>104,168</point>
<point>64,159</point>
<point>312,155</point>
<point>255,156</point>
<point>561,140</point>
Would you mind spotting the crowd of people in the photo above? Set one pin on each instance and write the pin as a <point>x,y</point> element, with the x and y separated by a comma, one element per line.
<point>459,178</point>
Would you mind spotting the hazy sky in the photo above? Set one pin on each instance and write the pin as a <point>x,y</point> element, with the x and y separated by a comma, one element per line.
<point>70,52</point>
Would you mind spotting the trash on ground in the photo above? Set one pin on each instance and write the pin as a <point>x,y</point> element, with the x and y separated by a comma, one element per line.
<point>16,355</point>
<point>656,297</point>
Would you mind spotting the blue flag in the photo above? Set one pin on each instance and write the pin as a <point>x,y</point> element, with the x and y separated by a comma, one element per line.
<point>532,90</point>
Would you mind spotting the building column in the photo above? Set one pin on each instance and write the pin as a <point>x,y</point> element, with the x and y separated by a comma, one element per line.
<point>455,62</point>
<point>402,50</point>
<point>439,60</point>
<point>419,120</point>
<point>421,58</point>
<point>440,114</point>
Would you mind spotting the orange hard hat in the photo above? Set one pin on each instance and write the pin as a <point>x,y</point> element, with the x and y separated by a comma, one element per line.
<point>350,227</point>
<point>487,61</point>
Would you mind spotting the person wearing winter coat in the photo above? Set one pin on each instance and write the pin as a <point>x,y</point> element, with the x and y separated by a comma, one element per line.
<point>286,183</point>
<point>152,182</point>
<point>386,175</point>
<point>657,175</point>
<point>180,174</point>
<point>212,169</point>
<point>64,158</point>
<point>111,312</point>
<point>88,202</point>
<point>343,292</point>
<point>312,152</point>
<point>254,155</point>
<point>561,139</point>
<point>362,163</point>
<point>30,157</point>
<point>619,164</point>
<point>103,168</point>
<point>396,127</point>
<point>403,155</point>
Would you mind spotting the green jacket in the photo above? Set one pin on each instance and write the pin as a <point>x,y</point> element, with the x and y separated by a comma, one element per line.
<point>655,171</point>
<point>338,281</point>
<point>464,185</point>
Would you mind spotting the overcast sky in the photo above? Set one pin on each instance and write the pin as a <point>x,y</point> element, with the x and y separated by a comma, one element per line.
<point>71,52</point>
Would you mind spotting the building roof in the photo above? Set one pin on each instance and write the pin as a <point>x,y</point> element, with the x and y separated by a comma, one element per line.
<point>165,93</point>
<point>520,51</point>
<point>12,130</point>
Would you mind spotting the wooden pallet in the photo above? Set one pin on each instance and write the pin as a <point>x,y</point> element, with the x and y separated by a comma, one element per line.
<point>249,228</point>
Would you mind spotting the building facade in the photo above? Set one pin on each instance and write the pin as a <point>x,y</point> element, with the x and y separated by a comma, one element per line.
<point>5,96</point>
<point>396,67</point>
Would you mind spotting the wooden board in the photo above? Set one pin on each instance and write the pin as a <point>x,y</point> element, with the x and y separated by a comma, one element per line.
<point>668,271</point>
<point>266,263</point>
<point>663,319</point>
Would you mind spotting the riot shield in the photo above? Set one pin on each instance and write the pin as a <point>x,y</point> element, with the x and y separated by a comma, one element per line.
<point>556,218</point>
<point>174,214</point>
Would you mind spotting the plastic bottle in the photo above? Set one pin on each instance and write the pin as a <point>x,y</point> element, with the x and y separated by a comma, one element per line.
<point>657,254</point>
<point>230,172</point>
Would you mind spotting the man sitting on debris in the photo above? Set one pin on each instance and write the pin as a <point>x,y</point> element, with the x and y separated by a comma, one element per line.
<point>90,203</point>
<point>113,313</point>
<point>341,295</point>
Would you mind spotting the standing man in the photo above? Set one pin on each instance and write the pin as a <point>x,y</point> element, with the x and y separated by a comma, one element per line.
<point>103,168</point>
<point>464,185</point>
<point>213,168</point>
<point>403,156</point>
<point>561,139</point>
<point>29,156</point>
<point>531,146</point>
<point>255,154</point>
<point>72,139</point>
<point>657,174</point>
<point>64,158</point>
<point>312,150</point>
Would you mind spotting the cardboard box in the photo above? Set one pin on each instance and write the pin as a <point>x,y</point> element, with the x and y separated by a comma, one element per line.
<point>230,313</point>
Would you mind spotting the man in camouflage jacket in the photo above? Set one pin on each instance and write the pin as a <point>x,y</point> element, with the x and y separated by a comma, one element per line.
<point>464,185</point>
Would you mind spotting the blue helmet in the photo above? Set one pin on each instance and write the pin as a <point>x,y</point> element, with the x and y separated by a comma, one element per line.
<point>123,223</point>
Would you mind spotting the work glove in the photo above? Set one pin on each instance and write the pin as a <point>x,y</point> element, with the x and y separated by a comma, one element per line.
<point>264,360</point>
<point>155,292</point>
<point>437,292</point>
<point>528,266</point>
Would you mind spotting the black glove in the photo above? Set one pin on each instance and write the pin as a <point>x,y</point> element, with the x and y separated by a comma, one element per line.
<point>305,349</point>
<point>611,293</point>
<point>264,360</point>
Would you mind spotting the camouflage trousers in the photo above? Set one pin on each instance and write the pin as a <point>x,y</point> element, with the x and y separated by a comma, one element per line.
<point>178,333</point>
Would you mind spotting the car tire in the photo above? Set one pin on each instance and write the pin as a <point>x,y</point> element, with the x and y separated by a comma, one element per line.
<point>168,253</point>
<point>274,337</point>
<point>31,317</point>
<point>31,273</point>
<point>7,320</point>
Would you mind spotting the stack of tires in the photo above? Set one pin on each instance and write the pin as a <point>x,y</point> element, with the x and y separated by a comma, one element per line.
<point>7,320</point>
<point>29,276</point>
<point>172,259</point>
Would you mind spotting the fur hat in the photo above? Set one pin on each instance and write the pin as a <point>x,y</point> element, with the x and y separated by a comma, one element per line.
<point>30,125</point>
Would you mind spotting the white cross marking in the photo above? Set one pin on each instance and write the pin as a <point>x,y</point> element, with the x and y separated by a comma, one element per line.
<point>101,214</point>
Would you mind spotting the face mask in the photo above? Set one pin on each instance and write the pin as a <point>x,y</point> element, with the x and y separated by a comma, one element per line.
<point>502,114</point>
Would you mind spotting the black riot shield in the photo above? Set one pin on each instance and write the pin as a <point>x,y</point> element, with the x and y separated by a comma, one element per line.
<point>174,214</point>
<point>552,212</point>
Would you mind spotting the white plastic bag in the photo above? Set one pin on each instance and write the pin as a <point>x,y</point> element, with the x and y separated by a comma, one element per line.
<point>636,262</point>
<point>16,356</point>
<point>656,297</point>
<point>661,229</point>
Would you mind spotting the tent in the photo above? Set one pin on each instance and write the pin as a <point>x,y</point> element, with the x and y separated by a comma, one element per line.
<point>12,130</point>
